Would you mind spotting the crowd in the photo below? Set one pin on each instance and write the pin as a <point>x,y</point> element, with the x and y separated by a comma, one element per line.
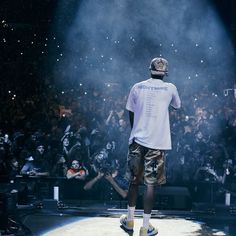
<point>63,134</point>
<point>49,133</point>
<point>204,137</point>
<point>80,130</point>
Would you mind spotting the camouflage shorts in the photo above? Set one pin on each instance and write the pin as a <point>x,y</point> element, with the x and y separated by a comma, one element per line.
<point>146,163</point>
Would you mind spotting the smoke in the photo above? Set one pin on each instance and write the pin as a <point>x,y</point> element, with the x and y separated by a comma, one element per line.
<point>114,41</point>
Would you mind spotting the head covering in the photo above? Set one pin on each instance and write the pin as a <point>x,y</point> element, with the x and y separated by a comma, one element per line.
<point>159,66</point>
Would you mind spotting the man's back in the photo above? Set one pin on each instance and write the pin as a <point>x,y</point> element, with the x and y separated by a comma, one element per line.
<point>149,101</point>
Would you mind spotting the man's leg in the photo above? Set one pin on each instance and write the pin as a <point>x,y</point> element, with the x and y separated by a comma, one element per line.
<point>128,220</point>
<point>135,172</point>
<point>132,195</point>
<point>132,200</point>
<point>149,196</point>
<point>148,202</point>
<point>135,165</point>
<point>153,174</point>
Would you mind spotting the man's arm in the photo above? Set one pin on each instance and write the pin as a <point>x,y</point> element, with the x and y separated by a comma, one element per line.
<point>70,175</point>
<point>46,173</point>
<point>118,189</point>
<point>130,105</point>
<point>109,117</point>
<point>131,118</point>
<point>90,183</point>
<point>175,102</point>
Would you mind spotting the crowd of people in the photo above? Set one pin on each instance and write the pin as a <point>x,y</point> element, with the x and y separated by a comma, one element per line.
<point>78,130</point>
<point>81,135</point>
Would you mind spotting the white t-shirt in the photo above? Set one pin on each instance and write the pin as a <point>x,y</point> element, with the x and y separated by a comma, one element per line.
<point>150,100</point>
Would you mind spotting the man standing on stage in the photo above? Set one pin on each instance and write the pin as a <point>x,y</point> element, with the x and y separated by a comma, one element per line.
<point>148,106</point>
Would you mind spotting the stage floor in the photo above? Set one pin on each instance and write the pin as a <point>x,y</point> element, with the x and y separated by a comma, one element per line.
<point>49,223</point>
<point>106,226</point>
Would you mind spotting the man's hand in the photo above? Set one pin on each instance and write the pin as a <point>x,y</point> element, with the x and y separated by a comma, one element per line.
<point>108,177</point>
<point>32,173</point>
<point>100,175</point>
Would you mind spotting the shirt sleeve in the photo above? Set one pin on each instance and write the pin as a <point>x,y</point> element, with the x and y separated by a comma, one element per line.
<point>131,100</point>
<point>27,167</point>
<point>175,101</point>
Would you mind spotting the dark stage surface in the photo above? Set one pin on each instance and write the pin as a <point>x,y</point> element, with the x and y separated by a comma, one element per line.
<point>100,220</point>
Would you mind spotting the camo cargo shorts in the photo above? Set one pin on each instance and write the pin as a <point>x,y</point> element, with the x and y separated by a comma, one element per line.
<point>147,164</point>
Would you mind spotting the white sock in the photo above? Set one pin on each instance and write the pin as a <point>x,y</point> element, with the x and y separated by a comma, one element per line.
<point>146,218</point>
<point>130,215</point>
